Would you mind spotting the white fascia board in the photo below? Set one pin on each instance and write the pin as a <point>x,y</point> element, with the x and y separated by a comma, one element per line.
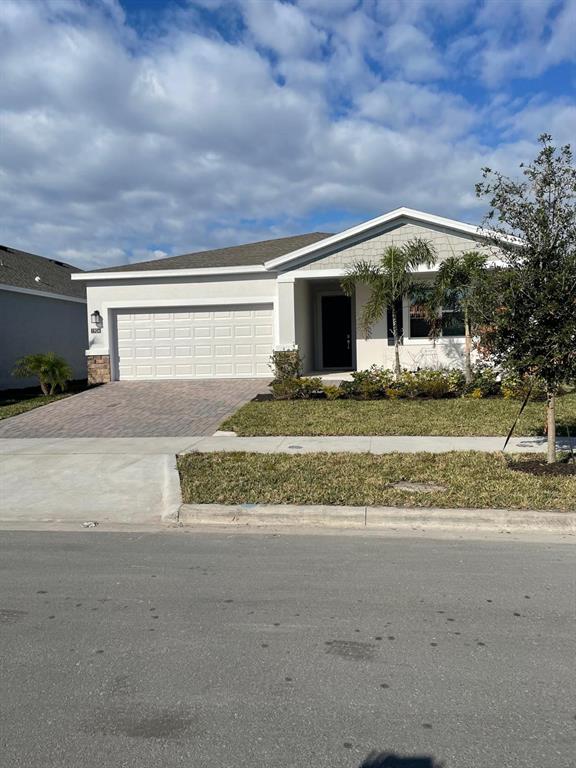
<point>387,218</point>
<point>309,274</point>
<point>41,294</point>
<point>159,273</point>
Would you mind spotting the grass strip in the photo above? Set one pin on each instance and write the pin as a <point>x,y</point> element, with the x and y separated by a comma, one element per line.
<point>458,417</point>
<point>471,479</point>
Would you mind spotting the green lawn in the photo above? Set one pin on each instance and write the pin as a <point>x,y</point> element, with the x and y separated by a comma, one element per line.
<point>398,417</point>
<point>13,405</point>
<point>471,480</point>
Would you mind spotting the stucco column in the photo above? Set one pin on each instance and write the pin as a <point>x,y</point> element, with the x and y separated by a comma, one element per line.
<point>286,336</point>
<point>374,350</point>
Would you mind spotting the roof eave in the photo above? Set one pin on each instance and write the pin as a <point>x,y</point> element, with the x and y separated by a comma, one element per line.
<point>143,274</point>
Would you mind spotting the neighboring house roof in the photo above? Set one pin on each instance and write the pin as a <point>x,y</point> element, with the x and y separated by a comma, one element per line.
<point>249,254</point>
<point>28,272</point>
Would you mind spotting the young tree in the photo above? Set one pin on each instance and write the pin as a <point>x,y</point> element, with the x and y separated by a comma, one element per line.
<point>458,283</point>
<point>532,224</point>
<point>51,371</point>
<point>388,281</point>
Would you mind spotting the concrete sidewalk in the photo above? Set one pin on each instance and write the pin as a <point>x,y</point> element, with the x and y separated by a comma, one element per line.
<point>378,445</point>
<point>147,446</point>
<point>114,480</point>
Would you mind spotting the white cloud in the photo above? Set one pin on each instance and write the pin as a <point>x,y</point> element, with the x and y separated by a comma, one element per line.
<point>117,147</point>
<point>282,27</point>
<point>413,53</point>
<point>524,38</point>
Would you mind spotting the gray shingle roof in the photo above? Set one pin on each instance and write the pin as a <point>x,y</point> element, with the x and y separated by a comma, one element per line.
<point>21,269</point>
<point>250,254</point>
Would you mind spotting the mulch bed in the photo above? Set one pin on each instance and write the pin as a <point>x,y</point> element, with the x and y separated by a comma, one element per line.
<point>539,467</point>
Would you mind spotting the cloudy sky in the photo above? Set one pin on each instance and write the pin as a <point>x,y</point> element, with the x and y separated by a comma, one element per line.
<point>132,129</point>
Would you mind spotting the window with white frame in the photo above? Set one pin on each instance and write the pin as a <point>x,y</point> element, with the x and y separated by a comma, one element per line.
<point>452,323</point>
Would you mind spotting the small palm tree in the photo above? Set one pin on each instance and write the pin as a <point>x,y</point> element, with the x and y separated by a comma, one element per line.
<point>51,370</point>
<point>388,281</point>
<point>458,281</point>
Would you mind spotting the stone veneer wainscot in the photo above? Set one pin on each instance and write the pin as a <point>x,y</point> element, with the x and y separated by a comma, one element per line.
<point>98,369</point>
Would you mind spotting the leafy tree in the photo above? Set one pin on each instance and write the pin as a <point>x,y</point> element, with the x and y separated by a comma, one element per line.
<point>532,224</point>
<point>388,281</point>
<point>51,370</point>
<point>458,285</point>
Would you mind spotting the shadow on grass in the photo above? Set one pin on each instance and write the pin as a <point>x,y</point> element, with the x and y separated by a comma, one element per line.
<point>393,760</point>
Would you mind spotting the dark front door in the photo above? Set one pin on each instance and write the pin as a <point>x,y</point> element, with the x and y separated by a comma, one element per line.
<point>336,314</point>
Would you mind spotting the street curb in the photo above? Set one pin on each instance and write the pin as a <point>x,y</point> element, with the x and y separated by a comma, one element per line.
<point>378,517</point>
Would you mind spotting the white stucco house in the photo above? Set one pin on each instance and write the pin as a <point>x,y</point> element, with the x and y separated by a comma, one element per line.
<point>221,313</point>
<point>41,310</point>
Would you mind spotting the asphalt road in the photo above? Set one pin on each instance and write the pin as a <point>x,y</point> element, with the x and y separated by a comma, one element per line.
<point>233,650</point>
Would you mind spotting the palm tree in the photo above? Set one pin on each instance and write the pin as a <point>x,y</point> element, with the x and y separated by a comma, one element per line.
<point>457,284</point>
<point>51,370</point>
<point>388,281</point>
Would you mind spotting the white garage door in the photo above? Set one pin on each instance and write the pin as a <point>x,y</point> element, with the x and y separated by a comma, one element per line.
<point>194,342</point>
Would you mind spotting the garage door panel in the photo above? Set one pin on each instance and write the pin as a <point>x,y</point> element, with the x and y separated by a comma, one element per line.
<point>229,342</point>
<point>263,330</point>
<point>203,370</point>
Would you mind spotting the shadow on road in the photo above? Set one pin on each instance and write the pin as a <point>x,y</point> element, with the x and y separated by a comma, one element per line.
<point>392,760</point>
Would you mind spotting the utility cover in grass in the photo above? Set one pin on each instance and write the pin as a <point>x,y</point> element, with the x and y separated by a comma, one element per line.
<point>407,485</point>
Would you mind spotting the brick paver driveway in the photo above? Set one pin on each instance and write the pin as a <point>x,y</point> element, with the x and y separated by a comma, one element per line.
<point>138,409</point>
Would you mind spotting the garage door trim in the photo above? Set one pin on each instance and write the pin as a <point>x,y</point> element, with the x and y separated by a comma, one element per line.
<point>190,306</point>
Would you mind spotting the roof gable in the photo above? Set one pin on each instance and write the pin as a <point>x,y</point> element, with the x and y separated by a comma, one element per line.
<point>368,230</point>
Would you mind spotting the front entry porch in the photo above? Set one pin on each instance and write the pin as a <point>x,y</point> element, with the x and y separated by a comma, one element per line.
<point>314,314</point>
<point>324,326</point>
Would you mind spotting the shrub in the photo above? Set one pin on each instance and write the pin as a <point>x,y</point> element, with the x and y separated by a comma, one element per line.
<point>51,370</point>
<point>369,384</point>
<point>438,383</point>
<point>332,392</point>
<point>286,364</point>
<point>427,382</point>
<point>296,388</point>
<point>517,387</point>
<point>485,382</point>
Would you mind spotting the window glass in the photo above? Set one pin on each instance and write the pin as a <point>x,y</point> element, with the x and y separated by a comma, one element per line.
<point>419,325</point>
<point>453,318</point>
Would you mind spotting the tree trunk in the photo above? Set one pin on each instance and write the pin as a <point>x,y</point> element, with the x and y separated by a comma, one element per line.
<point>43,387</point>
<point>551,426</point>
<point>397,368</point>
<point>467,349</point>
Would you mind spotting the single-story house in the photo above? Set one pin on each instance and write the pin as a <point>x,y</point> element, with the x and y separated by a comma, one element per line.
<point>221,313</point>
<point>41,310</point>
